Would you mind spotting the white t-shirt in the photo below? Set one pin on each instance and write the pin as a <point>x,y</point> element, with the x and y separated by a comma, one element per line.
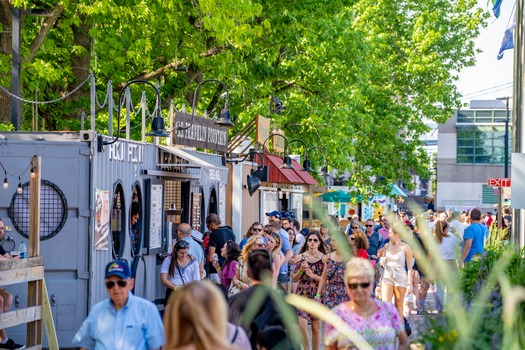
<point>189,272</point>
<point>448,247</point>
<point>458,226</point>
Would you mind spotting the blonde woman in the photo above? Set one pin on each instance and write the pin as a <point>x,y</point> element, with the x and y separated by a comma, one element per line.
<point>241,281</point>
<point>196,318</point>
<point>396,281</point>
<point>274,245</point>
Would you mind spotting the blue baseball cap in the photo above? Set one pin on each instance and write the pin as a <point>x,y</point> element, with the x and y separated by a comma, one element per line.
<point>275,213</point>
<point>119,268</point>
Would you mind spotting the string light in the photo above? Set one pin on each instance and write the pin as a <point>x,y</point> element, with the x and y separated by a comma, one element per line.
<point>33,172</point>
<point>19,189</point>
<point>6,184</point>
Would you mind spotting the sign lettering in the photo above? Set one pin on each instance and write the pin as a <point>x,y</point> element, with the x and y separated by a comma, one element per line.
<point>498,182</point>
<point>203,133</point>
<point>129,152</point>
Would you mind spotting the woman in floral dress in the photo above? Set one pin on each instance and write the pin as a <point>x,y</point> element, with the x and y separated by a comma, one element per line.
<point>307,272</point>
<point>332,290</point>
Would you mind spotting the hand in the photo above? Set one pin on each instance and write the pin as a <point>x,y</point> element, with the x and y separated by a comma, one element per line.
<point>308,272</point>
<point>317,298</point>
<point>304,266</point>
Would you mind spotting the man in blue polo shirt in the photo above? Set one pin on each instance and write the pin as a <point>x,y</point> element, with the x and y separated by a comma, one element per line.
<point>473,238</point>
<point>123,321</point>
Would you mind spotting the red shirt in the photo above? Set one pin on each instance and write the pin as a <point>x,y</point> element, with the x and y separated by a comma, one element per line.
<point>362,253</point>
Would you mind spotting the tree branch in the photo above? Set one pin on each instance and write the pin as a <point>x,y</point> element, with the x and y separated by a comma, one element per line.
<point>42,33</point>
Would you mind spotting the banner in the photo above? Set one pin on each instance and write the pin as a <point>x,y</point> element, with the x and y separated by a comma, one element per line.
<point>101,219</point>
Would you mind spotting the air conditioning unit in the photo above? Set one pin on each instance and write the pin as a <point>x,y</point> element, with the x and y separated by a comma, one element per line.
<point>87,135</point>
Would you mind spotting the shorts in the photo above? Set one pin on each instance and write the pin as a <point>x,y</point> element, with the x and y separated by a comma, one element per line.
<point>282,278</point>
<point>394,276</point>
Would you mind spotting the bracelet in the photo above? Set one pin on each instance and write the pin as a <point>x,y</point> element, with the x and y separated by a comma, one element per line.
<point>317,295</point>
<point>300,272</point>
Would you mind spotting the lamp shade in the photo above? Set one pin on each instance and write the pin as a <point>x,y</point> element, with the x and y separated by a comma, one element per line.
<point>324,170</point>
<point>253,183</point>
<point>157,128</point>
<point>225,119</point>
<point>287,163</point>
<point>306,165</point>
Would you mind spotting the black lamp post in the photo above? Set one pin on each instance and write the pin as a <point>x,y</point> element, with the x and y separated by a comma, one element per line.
<point>306,163</point>
<point>224,118</point>
<point>157,124</point>
<point>253,181</point>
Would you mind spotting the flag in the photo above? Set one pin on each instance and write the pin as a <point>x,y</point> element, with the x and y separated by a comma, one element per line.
<point>507,42</point>
<point>496,4</point>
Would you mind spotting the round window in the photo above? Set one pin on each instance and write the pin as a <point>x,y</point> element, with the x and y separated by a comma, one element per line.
<point>53,210</point>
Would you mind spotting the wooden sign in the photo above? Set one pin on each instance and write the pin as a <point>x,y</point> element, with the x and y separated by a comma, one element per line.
<point>262,130</point>
<point>203,133</point>
<point>278,142</point>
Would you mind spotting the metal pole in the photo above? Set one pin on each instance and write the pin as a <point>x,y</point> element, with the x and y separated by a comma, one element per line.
<point>518,228</point>
<point>15,70</point>
<point>507,140</point>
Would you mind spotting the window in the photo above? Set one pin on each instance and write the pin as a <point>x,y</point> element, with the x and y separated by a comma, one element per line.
<point>481,145</point>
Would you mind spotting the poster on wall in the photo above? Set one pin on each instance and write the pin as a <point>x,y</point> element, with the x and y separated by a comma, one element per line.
<point>222,204</point>
<point>269,203</point>
<point>377,206</point>
<point>101,219</point>
<point>155,217</point>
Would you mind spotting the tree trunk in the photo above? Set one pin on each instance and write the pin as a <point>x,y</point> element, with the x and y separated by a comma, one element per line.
<point>5,49</point>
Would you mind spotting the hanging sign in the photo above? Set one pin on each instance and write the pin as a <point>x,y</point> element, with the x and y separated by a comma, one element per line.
<point>203,133</point>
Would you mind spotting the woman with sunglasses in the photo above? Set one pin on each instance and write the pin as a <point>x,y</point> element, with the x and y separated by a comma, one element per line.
<point>325,235</point>
<point>274,245</point>
<point>331,290</point>
<point>255,229</point>
<point>376,321</point>
<point>241,280</point>
<point>179,268</point>
<point>230,251</point>
<point>308,271</point>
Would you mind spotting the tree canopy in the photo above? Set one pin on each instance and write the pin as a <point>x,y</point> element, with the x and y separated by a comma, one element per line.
<point>359,78</point>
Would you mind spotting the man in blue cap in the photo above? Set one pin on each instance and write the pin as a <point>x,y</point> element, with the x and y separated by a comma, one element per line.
<point>274,215</point>
<point>123,321</point>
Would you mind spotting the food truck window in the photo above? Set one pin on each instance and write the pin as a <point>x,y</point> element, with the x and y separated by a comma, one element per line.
<point>118,218</point>
<point>53,210</point>
<point>135,227</point>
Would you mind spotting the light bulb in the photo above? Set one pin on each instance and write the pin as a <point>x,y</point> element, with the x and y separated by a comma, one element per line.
<point>6,184</point>
<point>19,189</point>
<point>33,173</point>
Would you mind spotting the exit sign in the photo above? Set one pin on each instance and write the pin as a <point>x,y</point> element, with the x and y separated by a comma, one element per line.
<point>498,182</point>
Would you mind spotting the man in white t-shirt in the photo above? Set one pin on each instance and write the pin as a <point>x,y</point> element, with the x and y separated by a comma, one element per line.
<point>456,225</point>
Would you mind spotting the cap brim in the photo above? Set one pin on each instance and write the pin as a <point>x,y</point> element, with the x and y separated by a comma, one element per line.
<point>118,274</point>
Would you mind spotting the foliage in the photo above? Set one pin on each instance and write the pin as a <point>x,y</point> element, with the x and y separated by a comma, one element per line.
<point>359,78</point>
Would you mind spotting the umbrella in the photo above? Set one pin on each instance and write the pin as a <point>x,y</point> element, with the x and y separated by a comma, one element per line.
<point>336,196</point>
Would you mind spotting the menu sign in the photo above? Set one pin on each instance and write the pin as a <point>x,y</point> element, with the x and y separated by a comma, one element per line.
<point>155,217</point>
<point>196,211</point>
<point>263,129</point>
<point>203,133</point>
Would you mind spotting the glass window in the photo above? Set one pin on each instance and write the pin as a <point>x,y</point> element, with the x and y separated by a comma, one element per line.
<point>481,145</point>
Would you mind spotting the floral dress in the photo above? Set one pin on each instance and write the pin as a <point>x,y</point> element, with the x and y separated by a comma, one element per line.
<point>380,329</point>
<point>334,292</point>
<point>307,286</point>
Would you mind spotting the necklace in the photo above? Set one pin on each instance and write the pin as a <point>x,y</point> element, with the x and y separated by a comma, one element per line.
<point>364,313</point>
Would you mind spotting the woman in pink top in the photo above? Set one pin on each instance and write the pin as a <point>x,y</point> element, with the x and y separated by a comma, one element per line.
<point>230,251</point>
<point>377,322</point>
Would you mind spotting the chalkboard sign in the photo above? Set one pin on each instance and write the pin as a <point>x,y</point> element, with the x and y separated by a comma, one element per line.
<point>196,211</point>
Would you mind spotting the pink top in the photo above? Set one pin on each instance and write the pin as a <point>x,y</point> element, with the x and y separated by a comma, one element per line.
<point>227,273</point>
<point>383,232</point>
<point>380,329</point>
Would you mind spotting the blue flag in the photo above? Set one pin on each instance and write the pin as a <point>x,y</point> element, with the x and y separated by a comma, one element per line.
<point>507,42</point>
<point>496,4</point>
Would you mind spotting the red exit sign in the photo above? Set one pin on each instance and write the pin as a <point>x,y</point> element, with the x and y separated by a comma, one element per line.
<point>499,182</point>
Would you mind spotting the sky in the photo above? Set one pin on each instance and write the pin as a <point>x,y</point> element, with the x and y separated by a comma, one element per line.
<point>490,78</point>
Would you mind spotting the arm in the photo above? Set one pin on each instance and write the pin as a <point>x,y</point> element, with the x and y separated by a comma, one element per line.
<point>201,269</point>
<point>165,281</point>
<point>211,251</point>
<point>196,276</point>
<point>289,255</point>
<point>322,282</point>
<point>408,257</point>
<point>297,275</point>
<point>466,248</point>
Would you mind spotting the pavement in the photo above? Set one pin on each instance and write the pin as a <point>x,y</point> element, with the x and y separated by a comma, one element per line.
<point>417,322</point>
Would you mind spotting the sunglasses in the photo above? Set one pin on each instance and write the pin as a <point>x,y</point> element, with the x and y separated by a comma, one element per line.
<point>257,229</point>
<point>260,245</point>
<point>182,245</point>
<point>266,231</point>
<point>352,238</point>
<point>121,284</point>
<point>355,228</point>
<point>313,240</point>
<point>369,225</point>
<point>355,285</point>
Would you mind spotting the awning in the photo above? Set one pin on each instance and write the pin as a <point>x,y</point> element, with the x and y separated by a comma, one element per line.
<point>396,191</point>
<point>196,165</point>
<point>291,176</point>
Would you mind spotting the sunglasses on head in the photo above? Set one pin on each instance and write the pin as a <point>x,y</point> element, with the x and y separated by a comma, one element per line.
<point>121,284</point>
<point>355,285</point>
<point>182,245</point>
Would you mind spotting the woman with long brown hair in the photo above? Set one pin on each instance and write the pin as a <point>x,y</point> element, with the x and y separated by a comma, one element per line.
<point>274,245</point>
<point>308,271</point>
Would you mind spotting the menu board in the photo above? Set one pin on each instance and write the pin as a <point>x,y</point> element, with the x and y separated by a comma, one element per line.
<point>196,211</point>
<point>155,216</point>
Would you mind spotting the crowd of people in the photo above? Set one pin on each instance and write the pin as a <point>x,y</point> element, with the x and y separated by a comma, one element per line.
<point>225,295</point>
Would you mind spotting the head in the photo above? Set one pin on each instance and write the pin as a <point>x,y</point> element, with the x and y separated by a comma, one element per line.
<point>394,234</point>
<point>360,240</point>
<point>1,229</point>
<point>356,226</point>
<point>274,225</point>
<point>385,221</point>
<point>213,222</point>
<point>254,242</point>
<point>286,223</point>
<point>230,251</point>
<point>475,214</point>
<point>369,227</point>
<point>118,281</point>
<point>196,314</point>
<point>324,229</point>
<point>313,242</point>
<point>274,215</point>
<point>180,252</point>
<point>135,213</point>
<point>291,235</point>
<point>274,243</point>
<point>184,230</point>
<point>256,229</point>
<point>359,279</point>
<point>296,225</point>
<point>403,216</point>
<point>259,265</point>
<point>442,228</point>
<point>443,216</point>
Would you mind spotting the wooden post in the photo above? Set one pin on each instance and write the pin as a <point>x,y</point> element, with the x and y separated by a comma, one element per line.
<point>500,209</point>
<point>34,295</point>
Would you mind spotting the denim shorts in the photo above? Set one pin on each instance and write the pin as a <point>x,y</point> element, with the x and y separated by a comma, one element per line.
<point>282,278</point>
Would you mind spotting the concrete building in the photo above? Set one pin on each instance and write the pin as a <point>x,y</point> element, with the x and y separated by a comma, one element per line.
<point>471,149</point>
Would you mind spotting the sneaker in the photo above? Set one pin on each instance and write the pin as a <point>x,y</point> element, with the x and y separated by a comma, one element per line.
<point>408,329</point>
<point>10,344</point>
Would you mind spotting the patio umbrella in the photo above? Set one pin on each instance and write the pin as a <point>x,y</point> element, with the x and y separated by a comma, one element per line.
<point>336,196</point>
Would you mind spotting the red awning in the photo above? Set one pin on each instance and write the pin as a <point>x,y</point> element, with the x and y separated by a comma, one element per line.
<point>293,176</point>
